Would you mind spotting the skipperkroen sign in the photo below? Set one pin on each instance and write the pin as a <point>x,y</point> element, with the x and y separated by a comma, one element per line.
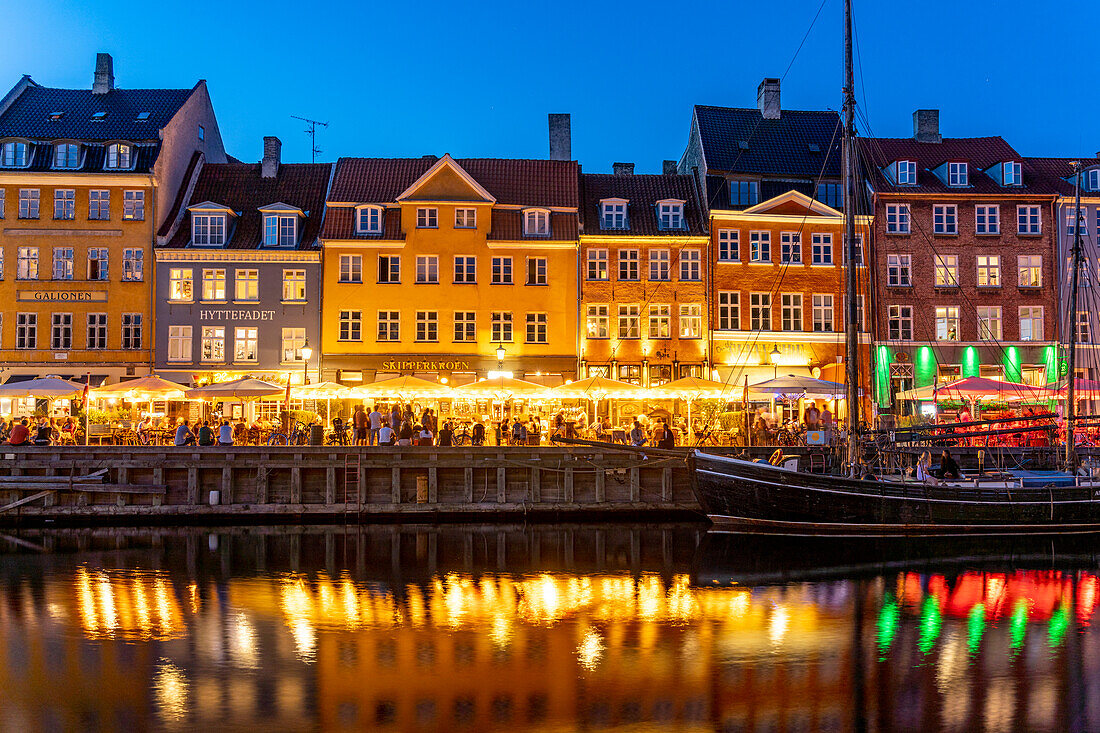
<point>62,296</point>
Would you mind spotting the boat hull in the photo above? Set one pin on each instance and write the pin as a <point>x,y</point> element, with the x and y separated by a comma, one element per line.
<point>749,496</point>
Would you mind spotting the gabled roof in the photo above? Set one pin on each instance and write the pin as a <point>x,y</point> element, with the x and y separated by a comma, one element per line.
<point>242,188</point>
<point>423,189</point>
<point>1057,173</point>
<point>642,193</point>
<point>793,201</point>
<point>799,143</point>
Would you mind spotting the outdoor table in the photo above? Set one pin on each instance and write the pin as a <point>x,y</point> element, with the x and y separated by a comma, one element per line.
<point>618,435</point>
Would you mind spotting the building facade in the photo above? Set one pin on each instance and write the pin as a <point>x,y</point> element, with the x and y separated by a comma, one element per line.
<point>965,251</point>
<point>644,271</point>
<point>238,272</point>
<point>433,264</point>
<point>83,174</point>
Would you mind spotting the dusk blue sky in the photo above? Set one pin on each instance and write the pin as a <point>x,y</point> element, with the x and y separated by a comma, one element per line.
<point>477,79</point>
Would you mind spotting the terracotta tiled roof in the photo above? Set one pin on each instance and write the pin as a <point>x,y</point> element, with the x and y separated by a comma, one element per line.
<point>29,115</point>
<point>242,188</point>
<point>508,226</point>
<point>340,224</point>
<point>642,192</point>
<point>1058,172</point>
<point>737,140</point>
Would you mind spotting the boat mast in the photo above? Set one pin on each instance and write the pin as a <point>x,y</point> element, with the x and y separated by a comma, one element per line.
<point>849,182</point>
<point>1071,358</point>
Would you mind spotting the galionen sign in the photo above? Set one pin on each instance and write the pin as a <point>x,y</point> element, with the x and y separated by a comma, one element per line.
<point>62,296</point>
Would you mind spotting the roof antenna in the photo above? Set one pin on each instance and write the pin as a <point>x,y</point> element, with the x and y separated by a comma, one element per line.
<point>312,132</point>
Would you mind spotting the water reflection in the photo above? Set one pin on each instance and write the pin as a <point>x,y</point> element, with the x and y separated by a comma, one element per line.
<point>544,628</point>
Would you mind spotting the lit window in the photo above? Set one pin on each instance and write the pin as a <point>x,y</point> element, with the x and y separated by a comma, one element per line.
<point>1031,323</point>
<point>947,323</point>
<point>1030,269</point>
<point>947,270</point>
<point>293,341</point>
<point>351,326</point>
<point>118,155</point>
<point>536,223</point>
<point>208,229</point>
<point>597,321</point>
<point>613,215</point>
<point>427,218</point>
<point>294,285</point>
<point>66,155</point>
<point>180,284</point>
<point>179,343</point>
<point>957,174</point>
<point>26,263</point>
<point>691,321</point>
<point>246,285</point>
<point>729,245</point>
<point>213,284</point>
<point>369,220</point>
<point>989,271</point>
<point>213,343</point>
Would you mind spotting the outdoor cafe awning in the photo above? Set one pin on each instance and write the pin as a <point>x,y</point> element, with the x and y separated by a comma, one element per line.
<point>502,388</point>
<point>791,385</point>
<point>696,388</point>
<point>405,386</point>
<point>976,388</point>
<point>52,388</point>
<point>598,388</point>
<point>143,389</point>
<point>239,389</point>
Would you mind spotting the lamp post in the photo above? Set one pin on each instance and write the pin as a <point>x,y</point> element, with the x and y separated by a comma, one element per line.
<point>774,357</point>
<point>307,352</point>
<point>500,357</point>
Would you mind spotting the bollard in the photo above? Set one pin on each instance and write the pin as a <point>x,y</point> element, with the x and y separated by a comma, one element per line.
<point>421,489</point>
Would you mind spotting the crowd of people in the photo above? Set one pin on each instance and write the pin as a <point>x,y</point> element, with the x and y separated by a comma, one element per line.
<point>40,431</point>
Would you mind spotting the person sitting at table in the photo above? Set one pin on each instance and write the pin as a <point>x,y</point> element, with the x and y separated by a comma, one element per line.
<point>20,433</point>
<point>240,431</point>
<point>225,433</point>
<point>666,439</point>
<point>68,430</point>
<point>144,425</point>
<point>184,436</point>
<point>206,435</point>
<point>582,422</point>
<point>637,435</point>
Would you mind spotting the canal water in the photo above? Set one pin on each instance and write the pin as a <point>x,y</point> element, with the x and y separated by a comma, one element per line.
<point>548,627</point>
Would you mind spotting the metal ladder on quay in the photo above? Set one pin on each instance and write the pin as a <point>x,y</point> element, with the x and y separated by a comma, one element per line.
<point>353,462</point>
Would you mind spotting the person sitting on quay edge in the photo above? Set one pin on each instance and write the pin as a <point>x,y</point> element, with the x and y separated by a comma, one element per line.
<point>478,436</point>
<point>184,436</point>
<point>446,435</point>
<point>44,433</point>
<point>424,436</point>
<point>206,435</point>
<point>20,433</point>
<point>637,435</point>
<point>404,437</point>
<point>948,469</point>
<point>386,435</point>
<point>666,439</point>
<point>225,433</point>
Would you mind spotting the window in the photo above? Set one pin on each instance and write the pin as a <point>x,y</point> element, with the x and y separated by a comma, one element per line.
<point>247,285</point>
<point>989,271</point>
<point>351,326</point>
<point>536,328</point>
<point>1030,270</point>
<point>427,269</point>
<point>26,331</point>
<point>536,223</point>
<point>369,220</point>
<point>180,284</point>
<point>660,321</point>
<point>630,373</point>
<point>465,269</point>
<point>790,248</point>
<point>179,343</point>
<point>670,215</point>
<point>1031,323</point>
<point>213,284</point>
<point>536,270</point>
<point>280,230</point>
<point>744,193</point>
<point>64,203</point>
<point>823,312</point>
<point>502,326</point>
<point>26,263</point>
<point>900,323</point>
<point>202,132</point>
<point>208,229</point>
<point>821,249</point>
<point>729,245</point>
<point>1012,174</point>
<point>947,270</point>
<point>465,326</point>
<point>131,330</point>
<point>99,205</point>
<point>389,268</point>
<point>294,285</point>
<point>628,264</point>
<point>897,218</point>
<point>61,331</point>
<point>351,268</point>
<point>1092,179</point>
<point>1072,217</point>
<point>907,172</point>
<point>691,321</point>
<point>465,218</point>
<point>987,219</point>
<point>956,174</point>
<point>118,155</point>
<point>658,264</point>
<point>98,264</point>
<point>597,321</point>
<point>133,205</point>
<point>14,155</point>
<point>389,326</point>
<point>62,263</point>
<point>947,323</point>
<point>792,311</point>
<point>760,311</point>
<point>690,265</point>
<point>729,310</point>
<point>293,341</point>
<point>502,270</point>
<point>1084,332</point>
<point>28,203</point>
<point>427,218</point>
<point>597,264</point>
<point>3,203</point>
<point>613,215</point>
<point>97,330</point>
<point>213,343</point>
<point>760,246</point>
<point>945,219</point>
<point>1028,220</point>
<point>899,270</point>
<point>989,323</point>
<point>830,194</point>
<point>427,326</point>
<point>629,317</point>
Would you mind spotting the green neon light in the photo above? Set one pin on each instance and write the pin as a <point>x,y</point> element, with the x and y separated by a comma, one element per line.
<point>1013,373</point>
<point>975,626</point>
<point>1059,623</point>
<point>925,366</point>
<point>888,619</point>
<point>1017,624</point>
<point>931,621</point>
<point>883,358</point>
<point>970,362</point>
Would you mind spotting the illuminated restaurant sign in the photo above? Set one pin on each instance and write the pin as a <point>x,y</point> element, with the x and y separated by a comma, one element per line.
<point>236,315</point>
<point>65,296</point>
<point>425,365</point>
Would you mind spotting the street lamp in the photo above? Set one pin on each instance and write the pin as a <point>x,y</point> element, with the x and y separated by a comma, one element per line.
<point>774,357</point>
<point>306,353</point>
<point>500,357</point>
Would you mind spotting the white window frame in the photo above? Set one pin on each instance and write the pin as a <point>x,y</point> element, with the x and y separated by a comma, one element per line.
<point>613,214</point>
<point>990,327</point>
<point>427,217</point>
<point>947,316</point>
<point>389,269</point>
<point>26,331</point>
<point>26,263</point>
<point>729,245</point>
<point>629,262</point>
<point>902,316</point>
<point>427,327</point>
<point>207,230</point>
<point>988,268</point>
<point>180,344</point>
<point>465,218</point>
<point>660,321</point>
<point>246,344</point>
<point>536,223</point>
<point>760,311</point>
<point>790,248</point>
<point>691,265</point>
<point>729,310</point>
<point>351,268</point>
<point>597,268</point>
<point>369,219</point>
<point>294,286</point>
<point>1033,316</point>
<point>213,284</point>
<point>64,204</point>
<point>246,285</point>
<point>824,314</point>
<point>292,341</point>
<point>280,230</point>
<point>29,203</point>
<point>465,326</point>
<point>691,321</point>
<point>899,270</point>
<point>630,317</point>
<point>181,279</point>
<point>501,271</point>
<point>13,154</point>
<point>537,331</point>
<point>958,174</point>
<point>948,266</point>
<point>388,329</point>
<point>64,267</point>
<point>821,248</point>
<point>906,172</point>
<point>670,215</point>
<point>898,218</point>
<point>537,271</point>
<point>120,156</point>
<point>99,264</point>
<point>350,325</point>
<point>1012,174</point>
<point>791,312</point>
<point>1029,219</point>
<point>465,269</point>
<point>1027,265</point>
<point>132,333</point>
<point>133,206</point>
<point>945,219</point>
<point>760,246</point>
<point>212,344</point>
<point>97,331</point>
<point>598,321</point>
<point>427,269</point>
<point>660,265</point>
<point>501,327</point>
<point>987,219</point>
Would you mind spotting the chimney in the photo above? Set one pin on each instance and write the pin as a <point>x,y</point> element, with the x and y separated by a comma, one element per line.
<point>269,166</point>
<point>926,126</point>
<point>623,169</point>
<point>561,147</point>
<point>104,74</point>
<point>767,99</point>
<point>669,168</point>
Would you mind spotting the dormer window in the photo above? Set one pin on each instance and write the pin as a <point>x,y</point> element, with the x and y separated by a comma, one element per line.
<point>536,223</point>
<point>208,229</point>
<point>1012,174</point>
<point>13,154</point>
<point>957,175</point>
<point>1092,179</point>
<point>66,155</point>
<point>613,214</point>
<point>119,155</point>
<point>907,172</point>
<point>670,214</point>
<point>280,230</point>
<point>99,116</point>
<point>369,220</point>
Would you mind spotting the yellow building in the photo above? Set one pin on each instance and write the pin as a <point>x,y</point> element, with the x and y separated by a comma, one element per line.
<point>86,176</point>
<point>433,265</point>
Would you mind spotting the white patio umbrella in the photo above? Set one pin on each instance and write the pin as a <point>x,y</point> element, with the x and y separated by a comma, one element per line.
<point>50,388</point>
<point>690,389</point>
